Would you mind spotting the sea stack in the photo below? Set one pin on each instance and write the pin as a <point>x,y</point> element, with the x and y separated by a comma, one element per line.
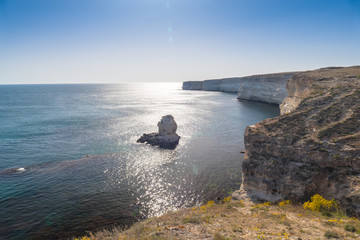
<point>166,137</point>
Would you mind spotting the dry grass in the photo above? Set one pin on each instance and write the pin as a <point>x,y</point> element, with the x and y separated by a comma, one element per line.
<point>238,220</point>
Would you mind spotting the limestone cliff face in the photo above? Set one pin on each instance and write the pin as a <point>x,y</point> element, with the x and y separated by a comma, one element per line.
<point>298,87</point>
<point>193,85</point>
<point>314,147</point>
<point>230,85</point>
<point>212,85</point>
<point>270,88</point>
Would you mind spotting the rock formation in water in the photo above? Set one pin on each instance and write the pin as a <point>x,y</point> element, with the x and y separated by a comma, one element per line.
<point>313,147</point>
<point>166,137</point>
<point>270,88</point>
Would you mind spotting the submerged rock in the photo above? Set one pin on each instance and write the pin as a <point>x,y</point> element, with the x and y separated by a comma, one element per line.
<point>166,137</point>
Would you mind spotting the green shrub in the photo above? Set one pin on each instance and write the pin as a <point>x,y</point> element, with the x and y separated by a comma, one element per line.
<point>350,228</point>
<point>326,214</point>
<point>237,229</point>
<point>329,234</point>
<point>218,236</point>
<point>191,220</point>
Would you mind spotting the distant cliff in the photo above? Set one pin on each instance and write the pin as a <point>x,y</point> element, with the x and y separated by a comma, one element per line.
<point>270,88</point>
<point>193,85</point>
<point>313,147</point>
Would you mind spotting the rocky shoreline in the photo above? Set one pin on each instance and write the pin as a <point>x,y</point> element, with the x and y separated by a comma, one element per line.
<point>313,147</point>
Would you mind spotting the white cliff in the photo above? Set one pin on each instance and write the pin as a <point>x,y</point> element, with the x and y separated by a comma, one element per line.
<point>298,88</point>
<point>270,88</point>
<point>193,85</point>
<point>230,85</point>
<point>212,85</point>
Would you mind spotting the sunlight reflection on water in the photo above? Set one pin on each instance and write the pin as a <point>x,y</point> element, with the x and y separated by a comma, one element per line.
<point>120,181</point>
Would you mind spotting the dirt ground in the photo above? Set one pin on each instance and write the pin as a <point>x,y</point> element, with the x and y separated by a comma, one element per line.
<point>240,220</point>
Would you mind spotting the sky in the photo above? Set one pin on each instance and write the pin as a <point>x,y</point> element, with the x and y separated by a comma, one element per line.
<point>118,41</point>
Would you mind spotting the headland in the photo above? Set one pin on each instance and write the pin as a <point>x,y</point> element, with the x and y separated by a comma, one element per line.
<point>311,149</point>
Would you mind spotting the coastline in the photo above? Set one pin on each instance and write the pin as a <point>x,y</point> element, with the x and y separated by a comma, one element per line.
<point>266,88</point>
<point>312,147</point>
<point>300,88</point>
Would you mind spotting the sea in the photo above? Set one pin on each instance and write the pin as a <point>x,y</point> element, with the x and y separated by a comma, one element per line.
<point>70,163</point>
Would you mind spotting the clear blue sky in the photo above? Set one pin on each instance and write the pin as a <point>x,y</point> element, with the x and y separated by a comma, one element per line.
<point>78,41</point>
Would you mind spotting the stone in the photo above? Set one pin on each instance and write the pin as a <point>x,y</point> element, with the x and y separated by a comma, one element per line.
<point>269,88</point>
<point>313,147</point>
<point>166,137</point>
<point>193,85</point>
<point>167,125</point>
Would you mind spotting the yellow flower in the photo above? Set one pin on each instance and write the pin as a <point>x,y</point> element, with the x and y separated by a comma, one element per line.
<point>284,203</point>
<point>209,204</point>
<point>286,235</point>
<point>318,203</point>
<point>203,208</point>
<point>267,204</point>
<point>227,199</point>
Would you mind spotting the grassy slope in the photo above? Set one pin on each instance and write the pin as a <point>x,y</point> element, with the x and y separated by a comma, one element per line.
<point>239,220</point>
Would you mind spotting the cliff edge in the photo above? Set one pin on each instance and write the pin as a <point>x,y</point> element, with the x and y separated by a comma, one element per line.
<point>269,88</point>
<point>313,147</point>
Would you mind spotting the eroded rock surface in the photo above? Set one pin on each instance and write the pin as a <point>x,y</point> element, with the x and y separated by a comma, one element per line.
<point>166,137</point>
<point>270,88</point>
<point>314,147</point>
<point>193,85</point>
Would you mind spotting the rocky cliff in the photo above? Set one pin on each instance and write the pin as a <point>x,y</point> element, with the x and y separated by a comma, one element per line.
<point>212,85</point>
<point>270,88</point>
<point>193,85</point>
<point>313,147</point>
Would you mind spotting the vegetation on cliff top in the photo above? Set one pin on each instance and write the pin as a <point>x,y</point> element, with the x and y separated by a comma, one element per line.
<point>315,148</point>
<point>316,219</point>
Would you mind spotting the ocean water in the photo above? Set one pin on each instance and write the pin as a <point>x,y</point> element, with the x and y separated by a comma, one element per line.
<point>69,161</point>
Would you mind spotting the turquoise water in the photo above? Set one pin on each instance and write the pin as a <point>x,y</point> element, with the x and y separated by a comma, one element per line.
<point>69,161</point>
